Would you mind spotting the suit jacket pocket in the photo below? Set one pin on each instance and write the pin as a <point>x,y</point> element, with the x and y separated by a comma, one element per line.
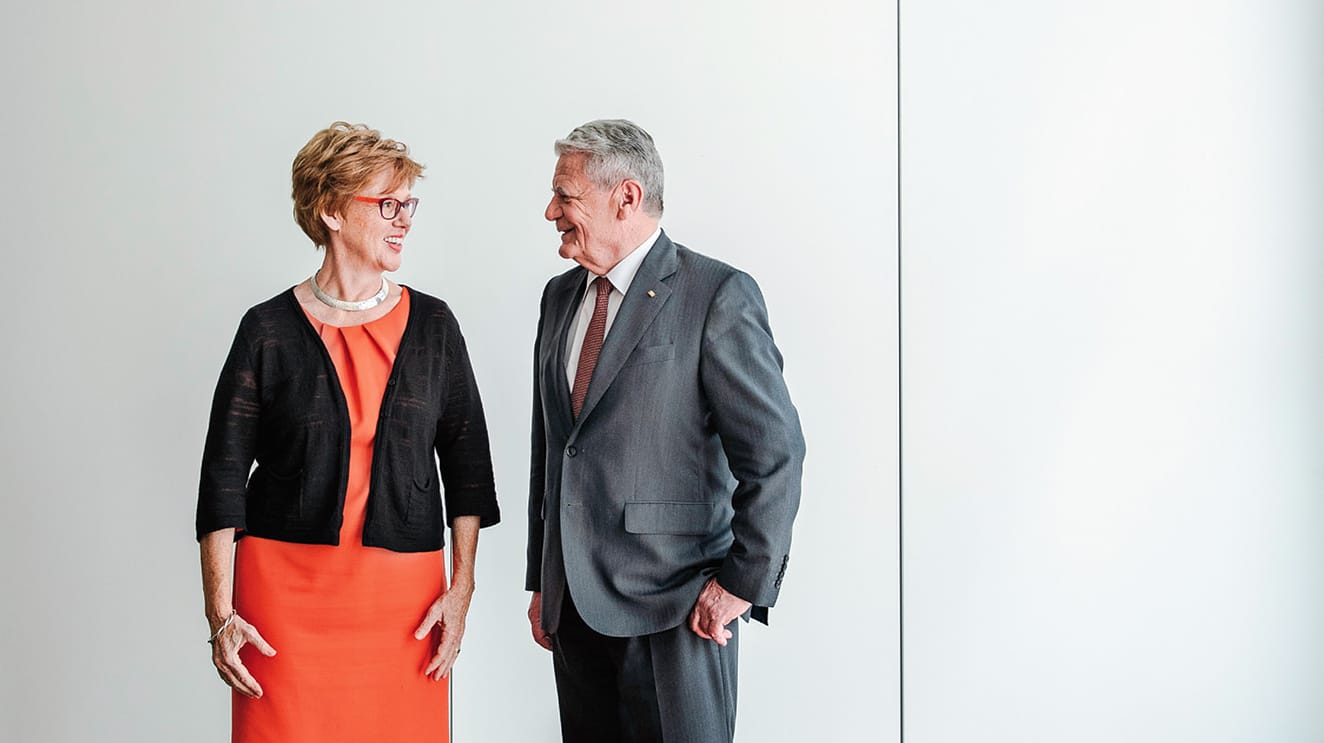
<point>667,517</point>
<point>652,354</point>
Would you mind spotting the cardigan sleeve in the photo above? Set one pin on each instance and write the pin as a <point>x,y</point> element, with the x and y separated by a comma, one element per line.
<point>463,453</point>
<point>227,455</point>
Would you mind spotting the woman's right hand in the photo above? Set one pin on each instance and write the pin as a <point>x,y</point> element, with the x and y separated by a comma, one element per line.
<point>225,656</point>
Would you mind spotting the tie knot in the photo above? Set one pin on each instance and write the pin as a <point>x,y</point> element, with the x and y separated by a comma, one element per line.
<point>603,285</point>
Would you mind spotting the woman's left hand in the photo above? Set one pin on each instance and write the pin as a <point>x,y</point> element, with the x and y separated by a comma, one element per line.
<point>448,611</point>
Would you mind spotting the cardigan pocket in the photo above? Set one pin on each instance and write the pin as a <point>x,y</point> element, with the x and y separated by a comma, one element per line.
<point>422,490</point>
<point>277,496</point>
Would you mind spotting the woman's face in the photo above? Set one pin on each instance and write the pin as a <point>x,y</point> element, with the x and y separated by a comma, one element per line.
<point>364,239</point>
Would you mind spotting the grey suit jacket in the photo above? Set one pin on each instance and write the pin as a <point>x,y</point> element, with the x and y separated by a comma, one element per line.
<point>686,458</point>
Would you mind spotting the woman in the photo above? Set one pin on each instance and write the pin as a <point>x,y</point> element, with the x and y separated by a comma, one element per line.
<point>351,394</point>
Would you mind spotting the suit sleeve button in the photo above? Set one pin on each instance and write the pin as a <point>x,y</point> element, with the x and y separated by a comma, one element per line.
<point>571,451</point>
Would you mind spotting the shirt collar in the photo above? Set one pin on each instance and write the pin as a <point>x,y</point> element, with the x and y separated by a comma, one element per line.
<point>622,274</point>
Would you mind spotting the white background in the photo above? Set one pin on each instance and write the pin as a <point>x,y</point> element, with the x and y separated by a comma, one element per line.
<point>146,201</point>
<point>1113,345</point>
<point>1113,303</point>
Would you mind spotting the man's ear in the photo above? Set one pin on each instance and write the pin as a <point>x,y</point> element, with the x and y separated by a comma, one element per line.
<point>631,198</point>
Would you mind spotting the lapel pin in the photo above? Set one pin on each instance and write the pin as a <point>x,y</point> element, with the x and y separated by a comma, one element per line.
<point>652,293</point>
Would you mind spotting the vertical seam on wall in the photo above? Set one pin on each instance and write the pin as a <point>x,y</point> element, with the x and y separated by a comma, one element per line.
<point>900,460</point>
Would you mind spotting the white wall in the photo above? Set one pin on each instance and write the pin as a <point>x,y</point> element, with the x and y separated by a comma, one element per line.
<point>1113,353</point>
<point>146,200</point>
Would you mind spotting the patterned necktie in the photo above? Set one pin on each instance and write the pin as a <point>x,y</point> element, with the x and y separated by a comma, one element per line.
<point>588,353</point>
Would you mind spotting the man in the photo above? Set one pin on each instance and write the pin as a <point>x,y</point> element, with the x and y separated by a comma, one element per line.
<point>666,458</point>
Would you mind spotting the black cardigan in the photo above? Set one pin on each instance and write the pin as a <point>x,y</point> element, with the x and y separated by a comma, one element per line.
<point>279,403</point>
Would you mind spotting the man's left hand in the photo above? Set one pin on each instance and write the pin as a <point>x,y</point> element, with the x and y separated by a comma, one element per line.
<point>714,610</point>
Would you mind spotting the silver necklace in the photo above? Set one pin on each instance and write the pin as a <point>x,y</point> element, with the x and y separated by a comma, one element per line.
<point>341,304</point>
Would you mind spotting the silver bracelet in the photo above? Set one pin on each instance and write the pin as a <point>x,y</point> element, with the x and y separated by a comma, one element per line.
<point>212,640</point>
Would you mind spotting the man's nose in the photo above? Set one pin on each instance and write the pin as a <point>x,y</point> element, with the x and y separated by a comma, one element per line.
<point>552,212</point>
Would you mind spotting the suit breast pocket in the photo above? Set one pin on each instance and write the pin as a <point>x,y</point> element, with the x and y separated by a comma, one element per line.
<point>669,517</point>
<point>652,354</point>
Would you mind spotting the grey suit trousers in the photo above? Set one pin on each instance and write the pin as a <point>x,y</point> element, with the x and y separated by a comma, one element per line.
<point>667,687</point>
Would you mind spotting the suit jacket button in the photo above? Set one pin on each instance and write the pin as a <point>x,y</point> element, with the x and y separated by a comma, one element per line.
<point>571,451</point>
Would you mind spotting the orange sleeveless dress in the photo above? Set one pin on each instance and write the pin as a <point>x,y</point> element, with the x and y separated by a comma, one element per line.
<point>342,618</point>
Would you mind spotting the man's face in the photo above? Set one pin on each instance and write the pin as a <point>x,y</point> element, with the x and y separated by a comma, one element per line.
<point>586,217</point>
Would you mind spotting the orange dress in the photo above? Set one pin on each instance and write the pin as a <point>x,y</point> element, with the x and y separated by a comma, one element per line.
<point>342,618</point>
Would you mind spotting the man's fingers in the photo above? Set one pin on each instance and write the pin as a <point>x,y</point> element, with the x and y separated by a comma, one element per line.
<point>716,632</point>
<point>715,609</point>
<point>539,636</point>
<point>721,636</point>
<point>709,626</point>
<point>543,639</point>
<point>535,622</point>
<point>696,624</point>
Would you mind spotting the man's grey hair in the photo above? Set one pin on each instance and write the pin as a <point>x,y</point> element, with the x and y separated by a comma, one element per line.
<point>618,149</point>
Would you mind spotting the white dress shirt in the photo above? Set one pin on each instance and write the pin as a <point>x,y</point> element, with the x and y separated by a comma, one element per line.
<point>621,276</point>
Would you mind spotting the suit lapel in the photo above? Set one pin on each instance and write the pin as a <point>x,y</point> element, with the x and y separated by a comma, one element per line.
<point>645,299</point>
<point>568,299</point>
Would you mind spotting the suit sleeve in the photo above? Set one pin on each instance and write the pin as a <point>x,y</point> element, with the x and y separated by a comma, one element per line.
<point>537,467</point>
<point>741,373</point>
<point>231,444</point>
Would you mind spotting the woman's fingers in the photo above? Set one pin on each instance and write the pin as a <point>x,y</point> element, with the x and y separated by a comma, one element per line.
<point>432,617</point>
<point>234,673</point>
<point>448,612</point>
<point>259,642</point>
<point>448,649</point>
<point>225,656</point>
<point>439,666</point>
<point>243,681</point>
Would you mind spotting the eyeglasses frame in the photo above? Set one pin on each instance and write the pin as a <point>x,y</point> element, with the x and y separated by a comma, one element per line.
<point>410,204</point>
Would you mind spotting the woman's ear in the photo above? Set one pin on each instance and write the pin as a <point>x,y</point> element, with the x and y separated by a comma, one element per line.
<point>332,221</point>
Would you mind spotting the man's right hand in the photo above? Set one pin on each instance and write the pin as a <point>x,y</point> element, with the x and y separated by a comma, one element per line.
<point>535,621</point>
